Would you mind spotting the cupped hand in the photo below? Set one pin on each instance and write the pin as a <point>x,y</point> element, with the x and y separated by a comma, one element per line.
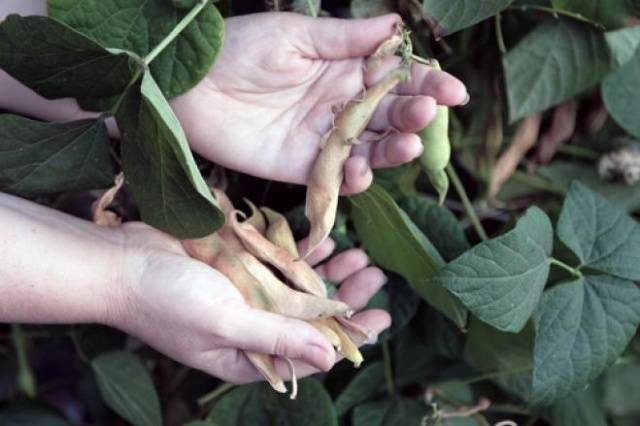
<point>268,100</point>
<point>194,314</point>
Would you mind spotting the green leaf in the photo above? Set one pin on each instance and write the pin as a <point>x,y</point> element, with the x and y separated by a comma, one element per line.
<point>30,415</point>
<point>396,244</point>
<point>370,8</point>
<point>126,386</point>
<point>622,389</point>
<point>159,167</point>
<point>501,280</point>
<point>258,405</point>
<point>40,158</point>
<point>608,13</point>
<point>449,16</point>
<point>507,356</point>
<point>140,26</point>
<point>581,328</point>
<point>438,224</point>
<point>561,175</point>
<point>583,408</point>
<point>395,411</point>
<point>623,44</point>
<point>620,94</point>
<point>58,62</point>
<point>366,384</point>
<point>397,298</point>
<point>602,237</point>
<point>556,61</point>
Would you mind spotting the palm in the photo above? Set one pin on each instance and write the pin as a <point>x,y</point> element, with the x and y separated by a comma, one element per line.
<point>265,111</point>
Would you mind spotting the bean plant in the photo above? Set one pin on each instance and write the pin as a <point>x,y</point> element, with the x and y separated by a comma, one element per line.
<point>512,246</point>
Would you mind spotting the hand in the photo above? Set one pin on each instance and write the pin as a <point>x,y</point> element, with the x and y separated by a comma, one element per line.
<point>193,314</point>
<point>267,102</point>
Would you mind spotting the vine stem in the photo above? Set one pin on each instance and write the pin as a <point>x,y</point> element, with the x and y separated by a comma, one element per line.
<point>215,394</point>
<point>468,207</point>
<point>388,370</point>
<point>560,264</point>
<point>184,23</point>
<point>555,12</point>
<point>499,36</point>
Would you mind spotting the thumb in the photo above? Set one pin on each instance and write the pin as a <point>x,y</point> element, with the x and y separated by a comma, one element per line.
<point>333,38</point>
<point>265,332</point>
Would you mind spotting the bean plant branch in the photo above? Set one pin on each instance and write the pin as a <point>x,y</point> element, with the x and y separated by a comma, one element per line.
<point>560,264</point>
<point>184,23</point>
<point>215,394</point>
<point>499,36</point>
<point>556,12</point>
<point>388,369</point>
<point>468,207</point>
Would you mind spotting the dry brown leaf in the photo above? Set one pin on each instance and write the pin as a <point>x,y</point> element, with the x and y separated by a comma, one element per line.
<point>387,48</point>
<point>102,216</point>
<point>525,138</point>
<point>323,184</point>
<point>563,126</point>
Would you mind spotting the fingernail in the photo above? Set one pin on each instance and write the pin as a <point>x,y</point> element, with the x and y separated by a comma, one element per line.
<point>466,100</point>
<point>318,356</point>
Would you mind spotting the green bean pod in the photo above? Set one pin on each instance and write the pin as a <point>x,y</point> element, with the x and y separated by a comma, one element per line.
<point>437,149</point>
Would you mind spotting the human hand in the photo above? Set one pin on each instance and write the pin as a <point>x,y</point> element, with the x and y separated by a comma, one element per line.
<point>194,314</point>
<point>267,102</point>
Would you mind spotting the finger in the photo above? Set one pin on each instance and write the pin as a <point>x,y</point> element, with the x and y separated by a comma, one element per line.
<point>357,289</point>
<point>357,176</point>
<point>260,331</point>
<point>403,113</point>
<point>425,81</point>
<point>376,320</point>
<point>392,150</point>
<point>322,252</point>
<point>331,38</point>
<point>343,265</point>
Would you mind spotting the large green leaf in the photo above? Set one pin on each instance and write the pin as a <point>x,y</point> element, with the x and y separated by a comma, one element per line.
<point>611,14</point>
<point>601,236</point>
<point>438,224</point>
<point>620,94</point>
<point>258,405</point>
<point>397,411</point>
<point>583,408</point>
<point>159,167</point>
<point>623,44</point>
<point>556,61</point>
<point>582,327</point>
<point>365,384</point>
<point>396,244</point>
<point>57,62</point>
<point>40,158</point>
<point>501,280</point>
<point>139,25</point>
<point>561,175</point>
<point>509,356</point>
<point>127,388</point>
<point>449,16</point>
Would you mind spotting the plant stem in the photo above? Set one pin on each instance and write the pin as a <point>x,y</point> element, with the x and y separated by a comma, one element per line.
<point>560,264</point>
<point>133,80</point>
<point>555,12</point>
<point>215,394</point>
<point>499,37</point>
<point>388,370</point>
<point>24,377</point>
<point>184,23</point>
<point>535,181</point>
<point>468,207</point>
<point>312,8</point>
<point>579,151</point>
